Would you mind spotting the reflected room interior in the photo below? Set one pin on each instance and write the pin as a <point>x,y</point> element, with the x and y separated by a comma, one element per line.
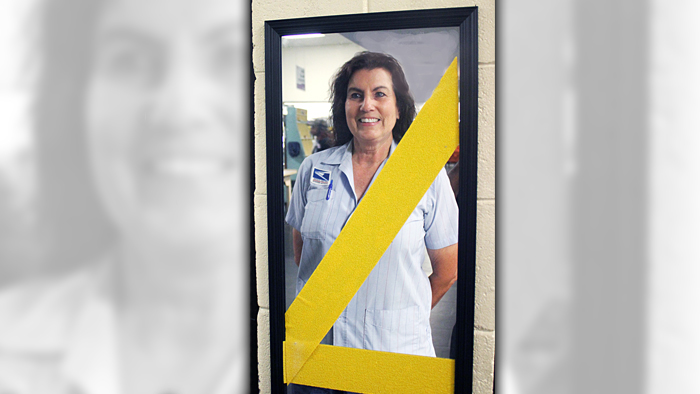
<point>308,64</point>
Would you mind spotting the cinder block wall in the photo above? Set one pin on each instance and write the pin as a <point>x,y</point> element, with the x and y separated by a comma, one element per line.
<point>484,326</point>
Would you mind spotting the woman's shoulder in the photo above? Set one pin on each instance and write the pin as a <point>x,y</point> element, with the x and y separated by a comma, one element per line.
<point>335,152</point>
<point>332,154</point>
<point>440,182</point>
<point>328,152</point>
<point>39,313</point>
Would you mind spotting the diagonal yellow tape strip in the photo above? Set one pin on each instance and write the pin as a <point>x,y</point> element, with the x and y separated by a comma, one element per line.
<point>384,209</point>
<point>369,371</point>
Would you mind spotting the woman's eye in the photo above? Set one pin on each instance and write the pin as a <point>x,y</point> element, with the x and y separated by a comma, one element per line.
<point>355,96</point>
<point>127,64</point>
<point>226,57</point>
<point>381,94</point>
<point>226,60</point>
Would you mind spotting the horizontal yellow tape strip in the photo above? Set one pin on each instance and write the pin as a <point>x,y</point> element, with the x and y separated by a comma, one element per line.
<point>369,371</point>
<point>387,204</point>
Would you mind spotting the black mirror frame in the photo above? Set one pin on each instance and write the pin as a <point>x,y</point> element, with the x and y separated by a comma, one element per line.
<point>466,19</point>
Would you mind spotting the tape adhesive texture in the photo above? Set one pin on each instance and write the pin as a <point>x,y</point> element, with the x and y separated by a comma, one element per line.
<point>369,371</point>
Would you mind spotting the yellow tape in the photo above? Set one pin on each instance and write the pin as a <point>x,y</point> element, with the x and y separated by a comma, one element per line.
<point>368,371</point>
<point>384,209</point>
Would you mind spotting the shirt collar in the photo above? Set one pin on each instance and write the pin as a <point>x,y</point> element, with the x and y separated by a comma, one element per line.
<point>73,317</point>
<point>91,361</point>
<point>343,156</point>
<point>92,354</point>
<point>337,156</point>
<point>345,153</point>
<point>91,358</point>
<point>77,319</point>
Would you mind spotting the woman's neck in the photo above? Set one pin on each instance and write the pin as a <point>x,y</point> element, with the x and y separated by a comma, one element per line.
<point>366,160</point>
<point>369,154</point>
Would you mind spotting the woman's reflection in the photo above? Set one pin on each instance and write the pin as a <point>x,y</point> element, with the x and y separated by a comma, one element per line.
<point>372,108</point>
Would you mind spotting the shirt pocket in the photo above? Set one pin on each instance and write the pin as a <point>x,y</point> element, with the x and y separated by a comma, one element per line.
<point>398,331</point>
<point>313,225</point>
<point>316,194</point>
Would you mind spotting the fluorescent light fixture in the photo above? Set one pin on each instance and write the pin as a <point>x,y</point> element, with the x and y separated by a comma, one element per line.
<point>299,36</point>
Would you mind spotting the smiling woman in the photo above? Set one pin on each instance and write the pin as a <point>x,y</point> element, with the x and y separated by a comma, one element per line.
<point>163,126</point>
<point>149,101</point>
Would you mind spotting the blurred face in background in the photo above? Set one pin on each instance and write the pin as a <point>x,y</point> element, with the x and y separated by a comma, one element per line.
<point>167,118</point>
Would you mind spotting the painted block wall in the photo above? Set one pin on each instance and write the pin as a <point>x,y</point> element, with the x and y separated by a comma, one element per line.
<point>484,324</point>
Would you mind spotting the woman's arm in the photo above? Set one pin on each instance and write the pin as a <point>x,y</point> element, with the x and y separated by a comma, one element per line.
<point>297,243</point>
<point>444,262</point>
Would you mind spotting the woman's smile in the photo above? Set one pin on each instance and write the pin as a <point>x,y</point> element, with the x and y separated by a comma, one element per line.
<point>186,163</point>
<point>187,166</point>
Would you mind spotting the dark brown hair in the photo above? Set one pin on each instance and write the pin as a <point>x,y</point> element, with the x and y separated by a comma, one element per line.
<point>339,91</point>
<point>65,182</point>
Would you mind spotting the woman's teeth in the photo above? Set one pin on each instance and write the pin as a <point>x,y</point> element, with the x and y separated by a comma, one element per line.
<point>369,120</point>
<point>189,166</point>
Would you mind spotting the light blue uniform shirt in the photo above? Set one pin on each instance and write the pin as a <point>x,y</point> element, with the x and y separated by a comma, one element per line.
<point>391,310</point>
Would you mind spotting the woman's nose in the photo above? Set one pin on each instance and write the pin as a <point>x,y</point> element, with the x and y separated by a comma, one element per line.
<point>367,104</point>
<point>178,99</point>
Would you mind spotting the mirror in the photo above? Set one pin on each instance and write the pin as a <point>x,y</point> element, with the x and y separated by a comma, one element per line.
<point>302,56</point>
<point>424,55</point>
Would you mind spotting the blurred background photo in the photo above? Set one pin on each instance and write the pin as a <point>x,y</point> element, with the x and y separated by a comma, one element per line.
<point>597,168</point>
<point>125,196</point>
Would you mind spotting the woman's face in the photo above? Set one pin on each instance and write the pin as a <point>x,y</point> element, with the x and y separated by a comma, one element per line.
<point>167,117</point>
<point>370,106</point>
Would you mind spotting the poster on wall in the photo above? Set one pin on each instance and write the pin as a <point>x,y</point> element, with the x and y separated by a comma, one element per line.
<point>373,265</point>
<point>301,79</point>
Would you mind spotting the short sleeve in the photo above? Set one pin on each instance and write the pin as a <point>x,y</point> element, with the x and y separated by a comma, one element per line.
<point>297,205</point>
<point>442,220</point>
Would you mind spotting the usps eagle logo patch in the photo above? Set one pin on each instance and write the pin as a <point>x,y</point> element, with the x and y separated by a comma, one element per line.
<point>320,177</point>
